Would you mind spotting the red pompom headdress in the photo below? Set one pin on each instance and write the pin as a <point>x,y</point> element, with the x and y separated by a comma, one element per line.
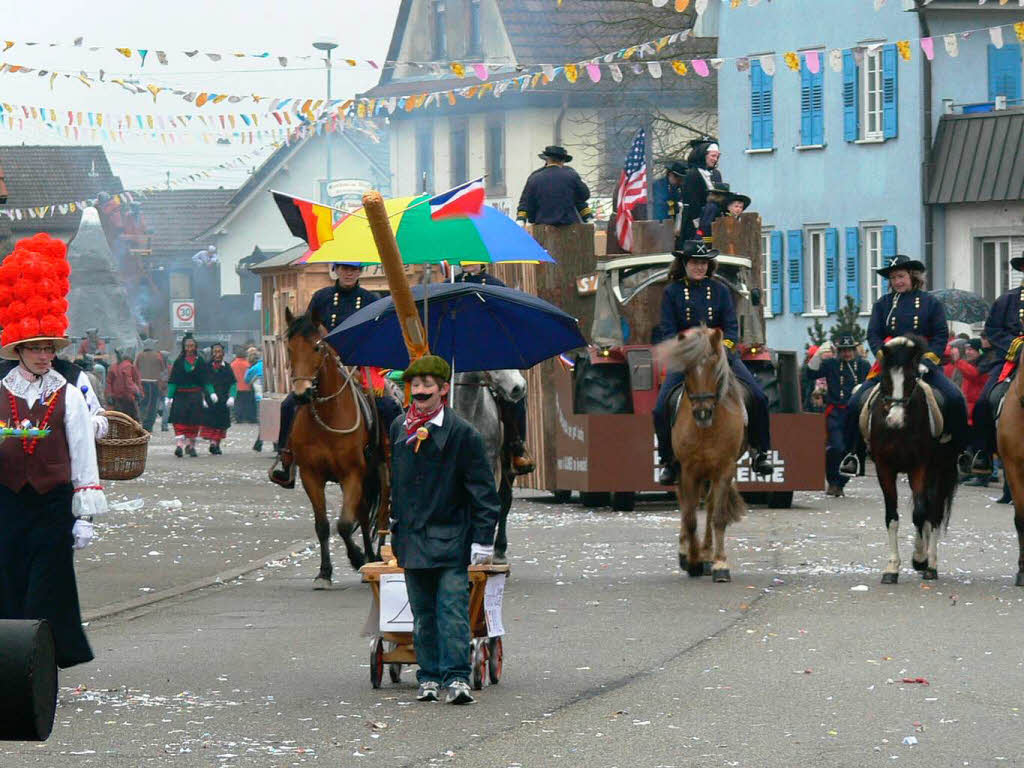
<point>33,294</point>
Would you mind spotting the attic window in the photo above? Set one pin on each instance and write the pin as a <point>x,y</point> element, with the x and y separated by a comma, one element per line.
<point>438,12</point>
<point>475,41</point>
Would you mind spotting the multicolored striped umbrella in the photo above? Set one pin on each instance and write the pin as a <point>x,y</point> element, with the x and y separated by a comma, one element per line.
<point>489,238</point>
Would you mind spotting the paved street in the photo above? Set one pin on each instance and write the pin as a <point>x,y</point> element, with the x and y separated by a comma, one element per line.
<point>222,654</point>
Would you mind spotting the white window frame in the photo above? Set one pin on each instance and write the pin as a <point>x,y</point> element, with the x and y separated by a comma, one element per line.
<point>1002,277</point>
<point>874,285</point>
<point>815,237</point>
<point>870,76</point>
<point>766,271</point>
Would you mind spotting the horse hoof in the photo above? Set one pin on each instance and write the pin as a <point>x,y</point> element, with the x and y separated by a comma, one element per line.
<point>321,583</point>
<point>708,567</point>
<point>929,574</point>
<point>695,571</point>
<point>721,576</point>
<point>683,564</point>
<point>1020,578</point>
<point>919,565</point>
<point>890,578</point>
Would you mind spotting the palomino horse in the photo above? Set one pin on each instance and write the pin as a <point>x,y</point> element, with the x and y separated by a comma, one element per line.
<point>708,436</point>
<point>473,398</point>
<point>331,441</point>
<point>1009,428</point>
<point>901,433</point>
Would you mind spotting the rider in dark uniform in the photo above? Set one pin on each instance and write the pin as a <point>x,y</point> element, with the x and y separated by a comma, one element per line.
<point>554,194</point>
<point>907,309</point>
<point>842,374</point>
<point>692,299</point>
<point>513,415</point>
<point>333,305</point>
<point>1004,325</point>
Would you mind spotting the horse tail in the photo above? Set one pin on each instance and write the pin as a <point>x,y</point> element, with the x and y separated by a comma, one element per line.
<point>731,508</point>
<point>942,482</point>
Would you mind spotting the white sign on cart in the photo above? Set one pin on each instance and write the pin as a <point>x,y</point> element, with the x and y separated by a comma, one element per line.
<point>395,612</point>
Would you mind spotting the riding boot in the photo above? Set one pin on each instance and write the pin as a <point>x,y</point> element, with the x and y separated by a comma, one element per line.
<point>982,464</point>
<point>285,475</point>
<point>668,467</point>
<point>258,445</point>
<point>522,461</point>
<point>762,464</point>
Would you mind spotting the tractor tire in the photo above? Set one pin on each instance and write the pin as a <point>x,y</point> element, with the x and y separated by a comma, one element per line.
<point>780,499</point>
<point>602,388</point>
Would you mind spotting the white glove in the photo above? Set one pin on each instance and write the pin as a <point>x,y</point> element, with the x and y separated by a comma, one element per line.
<point>88,502</point>
<point>168,401</point>
<point>82,530</point>
<point>480,554</point>
<point>231,402</point>
<point>100,426</point>
<point>213,398</point>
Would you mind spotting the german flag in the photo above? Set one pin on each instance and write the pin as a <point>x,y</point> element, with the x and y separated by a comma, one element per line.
<point>312,222</point>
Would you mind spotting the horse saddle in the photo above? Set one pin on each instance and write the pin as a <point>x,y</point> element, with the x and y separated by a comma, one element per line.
<point>998,394</point>
<point>675,397</point>
<point>936,408</point>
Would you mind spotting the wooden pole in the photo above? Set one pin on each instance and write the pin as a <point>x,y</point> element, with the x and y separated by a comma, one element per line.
<point>387,247</point>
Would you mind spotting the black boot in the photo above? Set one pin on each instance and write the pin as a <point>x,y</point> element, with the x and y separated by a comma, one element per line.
<point>179,452</point>
<point>982,464</point>
<point>285,474</point>
<point>258,445</point>
<point>762,466</point>
<point>668,473</point>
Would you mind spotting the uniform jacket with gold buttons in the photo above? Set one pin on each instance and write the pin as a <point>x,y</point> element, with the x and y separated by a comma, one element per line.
<point>689,303</point>
<point>916,312</point>
<point>334,304</point>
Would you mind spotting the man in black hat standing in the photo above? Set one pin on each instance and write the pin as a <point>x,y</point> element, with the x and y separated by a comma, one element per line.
<point>1004,328</point>
<point>842,374</point>
<point>668,193</point>
<point>907,308</point>
<point>554,194</point>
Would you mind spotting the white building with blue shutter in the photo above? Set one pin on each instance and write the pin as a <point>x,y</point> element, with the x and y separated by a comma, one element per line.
<point>831,154</point>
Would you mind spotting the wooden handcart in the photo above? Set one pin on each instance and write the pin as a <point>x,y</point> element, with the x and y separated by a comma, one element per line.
<point>394,648</point>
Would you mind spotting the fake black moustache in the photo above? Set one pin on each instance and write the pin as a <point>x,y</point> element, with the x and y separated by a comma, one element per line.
<point>421,396</point>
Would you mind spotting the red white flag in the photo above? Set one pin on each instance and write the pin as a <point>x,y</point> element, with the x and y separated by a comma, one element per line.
<point>632,191</point>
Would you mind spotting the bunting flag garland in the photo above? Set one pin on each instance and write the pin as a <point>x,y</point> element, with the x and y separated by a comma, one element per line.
<point>702,5</point>
<point>129,196</point>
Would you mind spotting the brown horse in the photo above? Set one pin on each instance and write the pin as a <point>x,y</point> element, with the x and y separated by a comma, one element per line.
<point>708,436</point>
<point>901,434</point>
<point>331,441</point>
<point>1009,429</point>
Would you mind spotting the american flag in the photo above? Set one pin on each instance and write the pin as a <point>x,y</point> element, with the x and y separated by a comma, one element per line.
<point>632,191</point>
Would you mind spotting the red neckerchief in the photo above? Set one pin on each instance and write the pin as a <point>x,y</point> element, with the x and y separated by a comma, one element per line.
<point>216,365</point>
<point>190,359</point>
<point>415,418</point>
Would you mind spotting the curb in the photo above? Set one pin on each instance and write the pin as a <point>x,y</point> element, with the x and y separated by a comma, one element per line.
<point>135,603</point>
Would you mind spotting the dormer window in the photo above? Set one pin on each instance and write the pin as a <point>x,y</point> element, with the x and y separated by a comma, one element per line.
<point>476,47</point>
<point>438,12</point>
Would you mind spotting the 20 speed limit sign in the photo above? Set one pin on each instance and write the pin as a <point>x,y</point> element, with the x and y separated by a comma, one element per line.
<point>183,315</point>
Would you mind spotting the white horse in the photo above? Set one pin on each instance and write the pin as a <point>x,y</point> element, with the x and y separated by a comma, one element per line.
<point>474,399</point>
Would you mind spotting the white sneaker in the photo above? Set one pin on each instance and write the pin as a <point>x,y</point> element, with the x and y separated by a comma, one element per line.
<point>429,691</point>
<point>458,693</point>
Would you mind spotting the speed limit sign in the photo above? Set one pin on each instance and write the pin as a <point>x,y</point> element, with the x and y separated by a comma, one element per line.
<point>183,315</point>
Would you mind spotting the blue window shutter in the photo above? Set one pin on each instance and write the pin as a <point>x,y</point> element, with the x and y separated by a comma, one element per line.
<point>888,242</point>
<point>853,264</point>
<point>756,106</point>
<point>890,92</point>
<point>818,104</point>
<point>1004,72</point>
<point>767,109</point>
<point>806,114</point>
<point>831,269</point>
<point>850,94</point>
<point>776,274</point>
<point>796,271</point>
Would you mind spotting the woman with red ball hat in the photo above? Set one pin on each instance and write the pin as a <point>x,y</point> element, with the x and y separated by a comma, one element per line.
<point>49,483</point>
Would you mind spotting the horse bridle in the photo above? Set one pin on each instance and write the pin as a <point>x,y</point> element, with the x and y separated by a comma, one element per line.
<point>890,401</point>
<point>318,345</point>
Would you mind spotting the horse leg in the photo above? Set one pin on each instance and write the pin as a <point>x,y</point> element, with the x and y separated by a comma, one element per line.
<point>501,539</point>
<point>711,502</point>
<point>718,506</point>
<point>689,553</point>
<point>315,490</point>
<point>926,523</point>
<point>1018,522</point>
<point>887,481</point>
<point>352,491</point>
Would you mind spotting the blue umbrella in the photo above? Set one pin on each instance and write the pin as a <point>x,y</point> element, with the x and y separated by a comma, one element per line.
<point>475,327</point>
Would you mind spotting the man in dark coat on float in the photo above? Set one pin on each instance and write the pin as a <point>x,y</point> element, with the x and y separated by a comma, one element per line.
<point>1003,329</point>
<point>554,194</point>
<point>694,298</point>
<point>217,416</point>
<point>331,305</point>
<point>513,415</point>
<point>444,509</point>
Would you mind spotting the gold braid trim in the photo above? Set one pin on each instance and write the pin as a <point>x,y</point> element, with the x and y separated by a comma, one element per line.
<point>1014,350</point>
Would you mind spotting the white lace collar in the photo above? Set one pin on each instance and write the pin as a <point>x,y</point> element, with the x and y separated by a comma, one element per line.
<point>30,391</point>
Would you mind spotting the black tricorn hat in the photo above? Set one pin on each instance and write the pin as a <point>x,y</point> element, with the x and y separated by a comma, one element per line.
<point>678,168</point>
<point>899,261</point>
<point>720,186</point>
<point>742,198</point>
<point>556,153</point>
<point>845,342</point>
<point>696,249</point>
<point>1017,262</point>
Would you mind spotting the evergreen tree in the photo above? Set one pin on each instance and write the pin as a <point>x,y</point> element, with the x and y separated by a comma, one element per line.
<point>816,333</point>
<point>848,323</point>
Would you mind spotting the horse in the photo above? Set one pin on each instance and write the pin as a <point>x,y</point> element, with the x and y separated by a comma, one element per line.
<point>474,399</point>
<point>1009,428</point>
<point>902,430</point>
<point>708,436</point>
<point>332,440</point>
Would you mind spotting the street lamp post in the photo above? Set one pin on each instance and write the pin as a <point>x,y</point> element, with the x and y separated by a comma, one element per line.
<point>327,45</point>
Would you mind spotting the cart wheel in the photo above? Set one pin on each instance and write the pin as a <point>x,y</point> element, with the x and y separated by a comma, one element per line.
<point>478,662</point>
<point>395,672</point>
<point>495,656</point>
<point>376,662</point>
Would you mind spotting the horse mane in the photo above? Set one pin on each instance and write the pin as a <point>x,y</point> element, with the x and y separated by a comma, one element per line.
<point>302,325</point>
<point>687,351</point>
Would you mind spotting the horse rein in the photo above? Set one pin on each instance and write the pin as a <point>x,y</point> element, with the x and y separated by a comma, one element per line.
<point>347,384</point>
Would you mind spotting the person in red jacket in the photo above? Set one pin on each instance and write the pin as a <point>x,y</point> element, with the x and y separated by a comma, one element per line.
<point>124,386</point>
<point>973,379</point>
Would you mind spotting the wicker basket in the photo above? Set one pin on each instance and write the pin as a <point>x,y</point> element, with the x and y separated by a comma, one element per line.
<point>121,455</point>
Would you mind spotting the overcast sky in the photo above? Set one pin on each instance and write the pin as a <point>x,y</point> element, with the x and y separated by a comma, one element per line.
<point>361,29</point>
